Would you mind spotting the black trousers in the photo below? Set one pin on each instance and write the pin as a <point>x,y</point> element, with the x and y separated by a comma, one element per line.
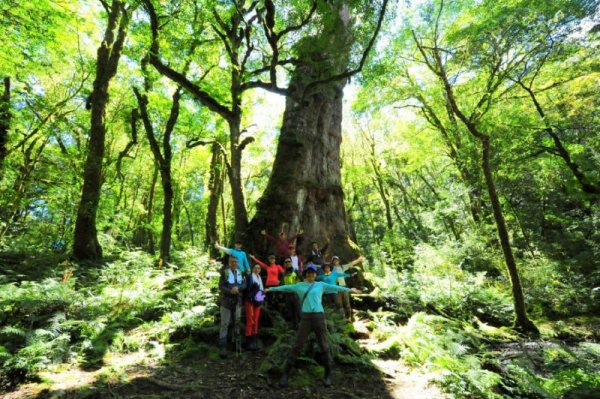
<point>310,322</point>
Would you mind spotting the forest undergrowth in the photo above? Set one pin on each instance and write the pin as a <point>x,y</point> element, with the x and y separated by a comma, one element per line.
<point>435,317</point>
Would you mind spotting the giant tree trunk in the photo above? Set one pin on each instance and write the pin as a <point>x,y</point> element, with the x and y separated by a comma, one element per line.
<point>305,189</point>
<point>4,122</point>
<point>85,243</point>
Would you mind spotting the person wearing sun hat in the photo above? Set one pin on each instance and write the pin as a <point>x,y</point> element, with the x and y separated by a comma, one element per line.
<point>312,319</point>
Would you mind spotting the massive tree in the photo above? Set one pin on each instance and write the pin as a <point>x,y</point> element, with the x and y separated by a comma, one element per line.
<point>235,29</point>
<point>85,243</point>
<point>305,189</point>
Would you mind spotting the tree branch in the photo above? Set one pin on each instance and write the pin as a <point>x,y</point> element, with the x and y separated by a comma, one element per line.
<point>348,73</point>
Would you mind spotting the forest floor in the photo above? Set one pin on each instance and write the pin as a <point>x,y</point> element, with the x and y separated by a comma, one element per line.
<point>138,375</point>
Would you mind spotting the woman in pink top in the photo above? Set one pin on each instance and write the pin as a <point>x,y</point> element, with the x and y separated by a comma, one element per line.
<point>273,270</point>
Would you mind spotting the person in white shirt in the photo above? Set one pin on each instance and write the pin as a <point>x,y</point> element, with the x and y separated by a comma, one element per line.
<point>343,297</point>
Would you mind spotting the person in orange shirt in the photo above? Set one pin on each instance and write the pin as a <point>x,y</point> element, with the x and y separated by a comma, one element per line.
<point>273,270</point>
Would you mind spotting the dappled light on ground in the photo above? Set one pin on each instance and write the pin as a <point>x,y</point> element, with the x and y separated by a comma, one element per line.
<point>142,374</point>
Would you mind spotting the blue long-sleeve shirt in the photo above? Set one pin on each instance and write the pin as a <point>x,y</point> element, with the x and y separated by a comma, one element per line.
<point>332,278</point>
<point>242,258</point>
<point>312,303</point>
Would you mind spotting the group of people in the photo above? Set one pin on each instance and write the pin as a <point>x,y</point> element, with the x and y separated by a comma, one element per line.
<point>241,285</point>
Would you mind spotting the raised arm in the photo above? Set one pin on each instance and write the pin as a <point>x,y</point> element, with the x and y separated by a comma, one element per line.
<point>222,249</point>
<point>287,288</point>
<point>338,275</point>
<point>261,264</point>
<point>354,262</point>
<point>333,289</point>
<point>298,234</point>
<point>246,264</point>
<point>269,236</point>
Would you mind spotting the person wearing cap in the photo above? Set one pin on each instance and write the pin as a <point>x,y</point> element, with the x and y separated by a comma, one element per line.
<point>344,298</point>
<point>330,277</point>
<point>273,270</point>
<point>236,251</point>
<point>253,298</point>
<point>310,293</point>
<point>231,286</point>
<point>282,243</point>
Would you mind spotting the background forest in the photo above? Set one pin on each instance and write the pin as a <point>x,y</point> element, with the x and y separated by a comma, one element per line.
<point>134,134</point>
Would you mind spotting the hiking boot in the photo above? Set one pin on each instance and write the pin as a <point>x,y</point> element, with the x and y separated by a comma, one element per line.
<point>254,343</point>
<point>248,343</point>
<point>327,377</point>
<point>283,381</point>
<point>223,348</point>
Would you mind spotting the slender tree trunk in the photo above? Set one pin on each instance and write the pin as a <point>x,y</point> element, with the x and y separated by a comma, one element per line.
<point>4,123</point>
<point>437,66</point>
<point>165,237</point>
<point>234,172</point>
<point>215,188</point>
<point>522,322</point>
<point>143,235</point>
<point>85,243</point>
<point>163,158</point>
<point>31,157</point>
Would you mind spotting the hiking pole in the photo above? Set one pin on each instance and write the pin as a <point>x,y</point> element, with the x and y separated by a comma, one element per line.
<point>236,332</point>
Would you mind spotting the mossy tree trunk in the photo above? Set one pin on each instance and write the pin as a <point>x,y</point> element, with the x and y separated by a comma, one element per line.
<point>215,187</point>
<point>4,122</point>
<point>304,191</point>
<point>85,242</point>
<point>163,158</point>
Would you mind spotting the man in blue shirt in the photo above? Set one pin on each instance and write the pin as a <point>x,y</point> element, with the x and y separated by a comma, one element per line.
<point>236,252</point>
<point>310,292</point>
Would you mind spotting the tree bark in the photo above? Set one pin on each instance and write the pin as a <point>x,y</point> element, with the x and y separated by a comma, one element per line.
<point>305,189</point>
<point>4,123</point>
<point>85,243</point>
<point>522,322</point>
<point>215,188</point>
<point>163,158</point>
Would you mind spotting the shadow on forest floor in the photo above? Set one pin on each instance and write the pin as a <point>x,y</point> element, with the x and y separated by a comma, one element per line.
<point>202,374</point>
<point>235,377</point>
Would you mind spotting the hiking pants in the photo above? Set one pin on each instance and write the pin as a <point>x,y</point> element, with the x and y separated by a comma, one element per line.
<point>310,322</point>
<point>344,300</point>
<point>252,315</point>
<point>226,318</point>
